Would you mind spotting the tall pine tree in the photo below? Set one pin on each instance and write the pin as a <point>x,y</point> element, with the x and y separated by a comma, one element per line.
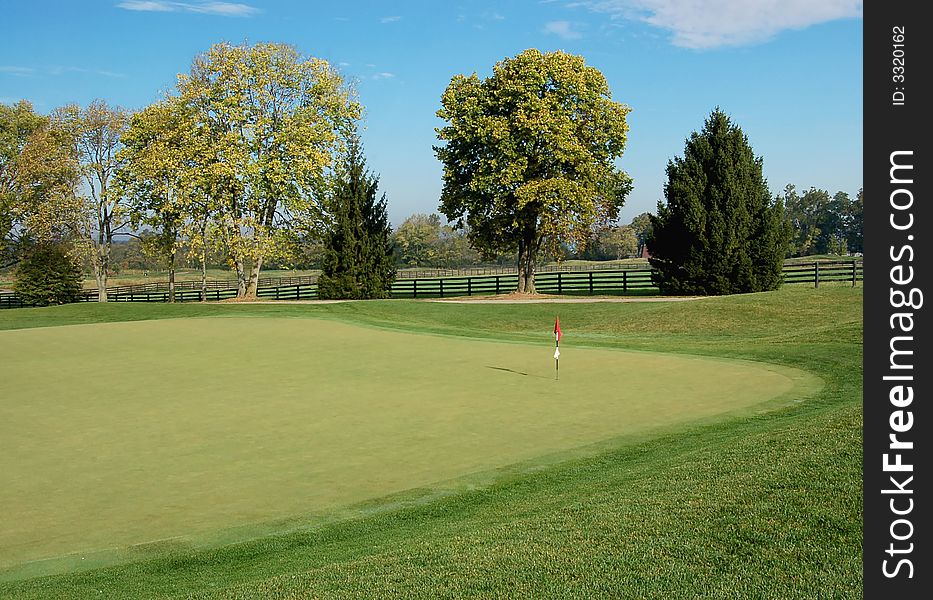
<point>357,261</point>
<point>719,231</point>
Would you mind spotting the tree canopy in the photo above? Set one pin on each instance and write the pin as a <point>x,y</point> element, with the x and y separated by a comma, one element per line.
<point>274,120</point>
<point>528,156</point>
<point>718,232</point>
<point>18,122</point>
<point>823,224</point>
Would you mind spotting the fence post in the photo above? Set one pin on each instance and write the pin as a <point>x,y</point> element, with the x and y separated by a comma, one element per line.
<point>816,274</point>
<point>470,286</point>
<point>559,288</point>
<point>497,284</point>
<point>591,283</point>
<point>414,288</point>
<point>853,273</point>
<point>441,282</point>
<point>624,282</point>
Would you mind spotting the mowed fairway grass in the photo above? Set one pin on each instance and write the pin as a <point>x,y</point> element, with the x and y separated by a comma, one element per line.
<point>413,449</point>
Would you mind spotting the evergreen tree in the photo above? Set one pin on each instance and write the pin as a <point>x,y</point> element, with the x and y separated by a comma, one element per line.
<point>357,260</point>
<point>719,231</point>
<point>48,275</point>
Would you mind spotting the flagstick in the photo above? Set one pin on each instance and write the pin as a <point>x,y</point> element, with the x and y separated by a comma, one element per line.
<point>557,369</point>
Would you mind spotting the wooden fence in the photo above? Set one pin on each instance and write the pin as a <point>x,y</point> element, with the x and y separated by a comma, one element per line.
<point>636,281</point>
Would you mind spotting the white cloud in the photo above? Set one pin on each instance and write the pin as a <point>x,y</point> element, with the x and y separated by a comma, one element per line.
<point>59,70</point>
<point>702,24</point>
<point>146,6</point>
<point>17,70</point>
<point>383,75</point>
<point>564,29</point>
<point>224,9</point>
<point>56,71</point>
<point>390,19</point>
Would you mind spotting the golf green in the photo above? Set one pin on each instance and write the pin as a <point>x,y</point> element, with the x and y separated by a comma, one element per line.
<point>122,435</point>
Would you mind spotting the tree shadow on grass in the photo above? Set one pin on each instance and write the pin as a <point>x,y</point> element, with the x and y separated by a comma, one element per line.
<point>514,371</point>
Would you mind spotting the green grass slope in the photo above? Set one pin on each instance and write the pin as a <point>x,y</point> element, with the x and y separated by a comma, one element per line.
<point>763,506</point>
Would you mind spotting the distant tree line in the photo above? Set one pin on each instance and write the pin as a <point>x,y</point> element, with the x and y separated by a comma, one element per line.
<point>823,224</point>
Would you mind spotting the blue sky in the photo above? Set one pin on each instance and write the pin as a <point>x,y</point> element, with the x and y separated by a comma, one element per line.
<point>789,72</point>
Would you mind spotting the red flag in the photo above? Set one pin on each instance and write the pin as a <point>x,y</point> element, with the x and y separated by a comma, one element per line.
<point>557,333</point>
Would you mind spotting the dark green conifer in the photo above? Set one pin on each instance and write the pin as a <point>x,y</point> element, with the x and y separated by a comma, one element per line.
<point>719,231</point>
<point>357,261</point>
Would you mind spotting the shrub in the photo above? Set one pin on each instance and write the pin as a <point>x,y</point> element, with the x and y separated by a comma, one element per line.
<point>48,275</point>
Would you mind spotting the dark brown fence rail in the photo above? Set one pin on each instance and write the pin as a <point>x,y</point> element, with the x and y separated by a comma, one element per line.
<point>628,281</point>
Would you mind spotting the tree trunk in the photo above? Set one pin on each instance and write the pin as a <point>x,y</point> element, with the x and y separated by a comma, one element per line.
<point>204,262</point>
<point>241,282</point>
<point>101,266</point>
<point>527,251</point>
<point>254,278</point>
<point>171,277</point>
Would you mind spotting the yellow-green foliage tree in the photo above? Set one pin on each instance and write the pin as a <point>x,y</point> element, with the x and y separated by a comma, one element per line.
<point>528,156</point>
<point>70,166</point>
<point>275,120</point>
<point>47,205</point>
<point>18,122</point>
<point>159,175</point>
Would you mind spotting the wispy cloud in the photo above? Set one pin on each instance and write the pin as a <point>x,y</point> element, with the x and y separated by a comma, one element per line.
<point>56,71</point>
<point>224,9</point>
<point>383,75</point>
<point>564,29</point>
<point>390,19</point>
<point>60,70</point>
<point>704,24</point>
<point>21,71</point>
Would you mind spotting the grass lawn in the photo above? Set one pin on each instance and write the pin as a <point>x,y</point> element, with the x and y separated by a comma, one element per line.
<point>473,489</point>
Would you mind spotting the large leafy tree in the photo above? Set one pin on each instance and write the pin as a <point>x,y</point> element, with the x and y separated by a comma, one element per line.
<point>719,232</point>
<point>275,120</point>
<point>18,122</point>
<point>528,156</point>
<point>357,261</point>
<point>71,165</point>
<point>159,176</point>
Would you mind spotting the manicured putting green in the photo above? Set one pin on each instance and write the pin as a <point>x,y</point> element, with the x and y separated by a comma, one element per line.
<point>119,434</point>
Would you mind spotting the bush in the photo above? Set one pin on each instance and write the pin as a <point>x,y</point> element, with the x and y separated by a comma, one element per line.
<point>48,275</point>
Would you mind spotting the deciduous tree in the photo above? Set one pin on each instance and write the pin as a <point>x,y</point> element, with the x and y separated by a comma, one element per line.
<point>18,122</point>
<point>275,120</point>
<point>85,142</point>
<point>528,156</point>
<point>159,176</point>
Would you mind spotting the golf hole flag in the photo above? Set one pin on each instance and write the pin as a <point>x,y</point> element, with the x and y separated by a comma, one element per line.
<point>557,335</point>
